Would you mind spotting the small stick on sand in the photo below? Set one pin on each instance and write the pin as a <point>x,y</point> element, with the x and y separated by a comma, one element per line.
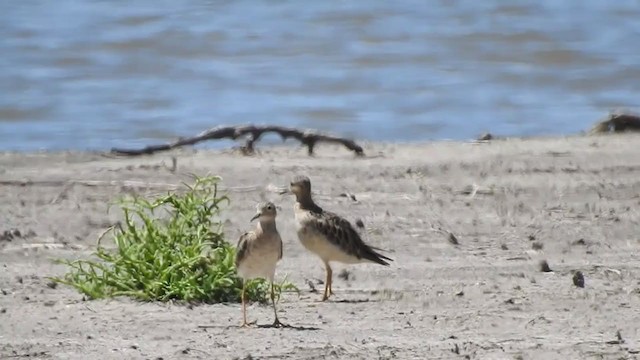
<point>252,133</point>
<point>450,236</point>
<point>474,189</point>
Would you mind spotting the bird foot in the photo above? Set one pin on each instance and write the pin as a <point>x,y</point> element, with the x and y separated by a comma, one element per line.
<point>327,295</point>
<point>278,324</point>
<point>246,324</point>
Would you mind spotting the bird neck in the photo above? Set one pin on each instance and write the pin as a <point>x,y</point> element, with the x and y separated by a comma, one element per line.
<point>306,202</point>
<point>266,225</point>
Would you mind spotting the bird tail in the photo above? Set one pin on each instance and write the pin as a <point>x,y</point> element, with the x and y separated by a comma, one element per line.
<point>374,256</point>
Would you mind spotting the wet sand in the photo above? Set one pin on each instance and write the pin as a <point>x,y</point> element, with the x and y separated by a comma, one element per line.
<point>510,204</point>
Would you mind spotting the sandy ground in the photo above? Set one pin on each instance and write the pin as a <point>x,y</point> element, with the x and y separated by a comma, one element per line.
<point>571,201</point>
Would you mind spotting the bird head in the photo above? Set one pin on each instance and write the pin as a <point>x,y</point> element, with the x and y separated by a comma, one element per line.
<point>300,186</point>
<point>265,211</point>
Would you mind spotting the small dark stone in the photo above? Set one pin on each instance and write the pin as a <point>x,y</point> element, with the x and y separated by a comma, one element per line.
<point>504,247</point>
<point>49,303</point>
<point>453,239</point>
<point>460,293</point>
<point>348,195</point>
<point>537,245</point>
<point>579,242</point>
<point>3,310</point>
<point>312,287</point>
<point>578,279</point>
<point>6,236</point>
<point>345,275</point>
<point>544,266</point>
<point>52,284</point>
<point>359,223</point>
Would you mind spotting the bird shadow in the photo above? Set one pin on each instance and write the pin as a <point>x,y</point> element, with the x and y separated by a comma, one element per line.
<point>287,326</point>
<point>261,326</point>
<point>351,301</point>
<point>346,301</point>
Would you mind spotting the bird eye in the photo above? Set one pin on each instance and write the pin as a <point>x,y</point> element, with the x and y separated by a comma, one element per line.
<point>269,207</point>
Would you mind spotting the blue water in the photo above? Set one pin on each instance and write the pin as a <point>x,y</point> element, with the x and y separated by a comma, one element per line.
<point>96,74</point>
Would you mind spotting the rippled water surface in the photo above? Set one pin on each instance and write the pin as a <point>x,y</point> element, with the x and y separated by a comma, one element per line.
<point>95,74</point>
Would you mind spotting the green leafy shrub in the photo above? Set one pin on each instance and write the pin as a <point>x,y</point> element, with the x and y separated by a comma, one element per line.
<point>182,256</point>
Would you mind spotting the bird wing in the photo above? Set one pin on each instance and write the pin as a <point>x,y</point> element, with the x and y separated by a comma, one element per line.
<point>341,233</point>
<point>242,248</point>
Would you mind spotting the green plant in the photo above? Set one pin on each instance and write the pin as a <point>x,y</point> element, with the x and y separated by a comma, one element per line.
<point>182,256</point>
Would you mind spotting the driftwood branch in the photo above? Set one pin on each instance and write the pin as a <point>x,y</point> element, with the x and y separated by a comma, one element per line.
<point>617,122</point>
<point>252,134</point>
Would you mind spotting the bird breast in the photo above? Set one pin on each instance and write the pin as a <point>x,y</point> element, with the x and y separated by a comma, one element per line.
<point>261,259</point>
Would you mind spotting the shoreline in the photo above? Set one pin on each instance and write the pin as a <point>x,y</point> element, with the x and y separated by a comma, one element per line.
<point>619,122</point>
<point>569,200</point>
<point>293,145</point>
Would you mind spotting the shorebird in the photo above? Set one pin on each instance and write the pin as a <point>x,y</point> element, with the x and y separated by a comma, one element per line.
<point>328,235</point>
<point>258,253</point>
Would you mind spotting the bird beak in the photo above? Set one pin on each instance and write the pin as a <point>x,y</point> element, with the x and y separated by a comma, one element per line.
<point>255,217</point>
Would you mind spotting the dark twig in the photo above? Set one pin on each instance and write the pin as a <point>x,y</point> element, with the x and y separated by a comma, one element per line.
<point>252,133</point>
